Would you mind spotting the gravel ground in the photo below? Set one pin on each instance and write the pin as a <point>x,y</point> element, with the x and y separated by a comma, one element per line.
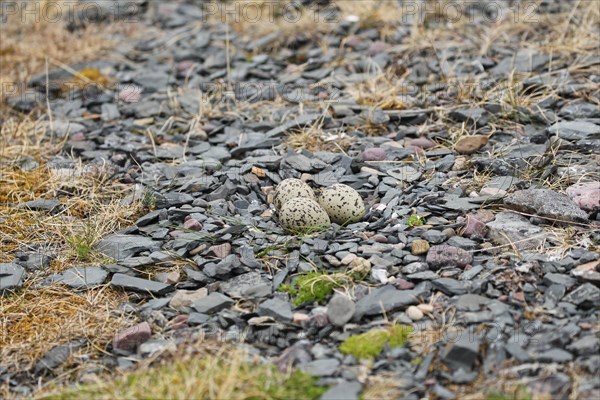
<point>475,155</point>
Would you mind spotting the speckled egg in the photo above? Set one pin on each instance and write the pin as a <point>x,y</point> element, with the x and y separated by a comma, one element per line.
<point>342,203</point>
<point>301,214</point>
<point>289,189</point>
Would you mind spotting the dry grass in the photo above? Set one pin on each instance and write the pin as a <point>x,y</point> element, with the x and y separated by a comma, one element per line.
<point>35,320</point>
<point>27,44</point>
<point>201,371</point>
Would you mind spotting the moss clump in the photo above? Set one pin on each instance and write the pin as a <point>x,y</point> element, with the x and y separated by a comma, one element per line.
<point>520,393</point>
<point>311,286</point>
<point>415,220</point>
<point>370,344</point>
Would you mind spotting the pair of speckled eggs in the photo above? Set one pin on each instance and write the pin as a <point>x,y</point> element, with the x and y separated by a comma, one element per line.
<point>301,209</point>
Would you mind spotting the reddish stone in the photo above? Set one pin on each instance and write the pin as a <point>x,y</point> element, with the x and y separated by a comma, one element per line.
<point>130,94</point>
<point>376,48</point>
<point>374,154</point>
<point>192,224</point>
<point>474,227</point>
<point>519,296</point>
<point>179,322</point>
<point>421,142</point>
<point>403,284</point>
<point>221,250</point>
<point>586,195</point>
<point>78,137</point>
<point>132,337</point>
<point>445,255</point>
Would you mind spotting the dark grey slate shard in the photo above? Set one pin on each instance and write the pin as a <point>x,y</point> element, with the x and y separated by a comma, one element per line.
<point>279,309</point>
<point>247,285</point>
<point>140,285</point>
<point>50,206</point>
<point>546,203</point>
<point>57,356</point>
<point>82,277</point>
<point>586,295</point>
<point>11,276</point>
<point>384,299</point>
<point>120,247</point>
<point>462,352</point>
<point>343,391</point>
<point>212,303</point>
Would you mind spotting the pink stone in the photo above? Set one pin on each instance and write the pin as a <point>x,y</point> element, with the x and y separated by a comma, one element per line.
<point>376,48</point>
<point>221,250</point>
<point>132,337</point>
<point>130,94</point>
<point>298,318</point>
<point>192,224</point>
<point>586,195</point>
<point>184,66</point>
<point>421,142</point>
<point>403,284</point>
<point>179,322</point>
<point>374,154</point>
<point>474,227</point>
<point>492,191</point>
<point>78,137</point>
<point>353,41</point>
<point>444,255</point>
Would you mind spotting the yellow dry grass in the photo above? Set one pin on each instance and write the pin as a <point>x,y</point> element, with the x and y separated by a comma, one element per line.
<point>35,320</point>
<point>27,44</point>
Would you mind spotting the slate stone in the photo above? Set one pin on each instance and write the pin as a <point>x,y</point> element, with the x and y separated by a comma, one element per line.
<point>384,299</point>
<point>586,295</point>
<point>120,247</point>
<point>552,355</point>
<point>546,203</point>
<point>560,279</point>
<point>11,277</point>
<point>515,230</point>
<point>83,277</point>
<point>57,356</point>
<point>478,116</point>
<point>344,390</point>
<point>248,285</point>
<point>212,303</point>
<point>340,309</point>
<point>461,352</point>
<point>276,308</point>
<point>325,367</point>
<point>127,282</point>
<point>471,302</point>
<point>588,344</point>
<point>575,130</point>
<point>451,286</point>
<point>50,206</point>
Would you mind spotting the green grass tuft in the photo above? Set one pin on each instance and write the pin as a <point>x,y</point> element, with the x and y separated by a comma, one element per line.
<point>370,344</point>
<point>310,287</point>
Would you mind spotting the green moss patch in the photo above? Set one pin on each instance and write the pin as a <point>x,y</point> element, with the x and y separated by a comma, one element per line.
<point>370,344</point>
<point>310,287</point>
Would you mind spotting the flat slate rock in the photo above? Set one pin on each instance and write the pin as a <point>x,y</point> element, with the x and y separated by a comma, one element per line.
<point>384,299</point>
<point>546,203</point>
<point>82,277</point>
<point>120,247</point>
<point>515,230</point>
<point>140,285</point>
<point>212,303</point>
<point>11,276</point>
